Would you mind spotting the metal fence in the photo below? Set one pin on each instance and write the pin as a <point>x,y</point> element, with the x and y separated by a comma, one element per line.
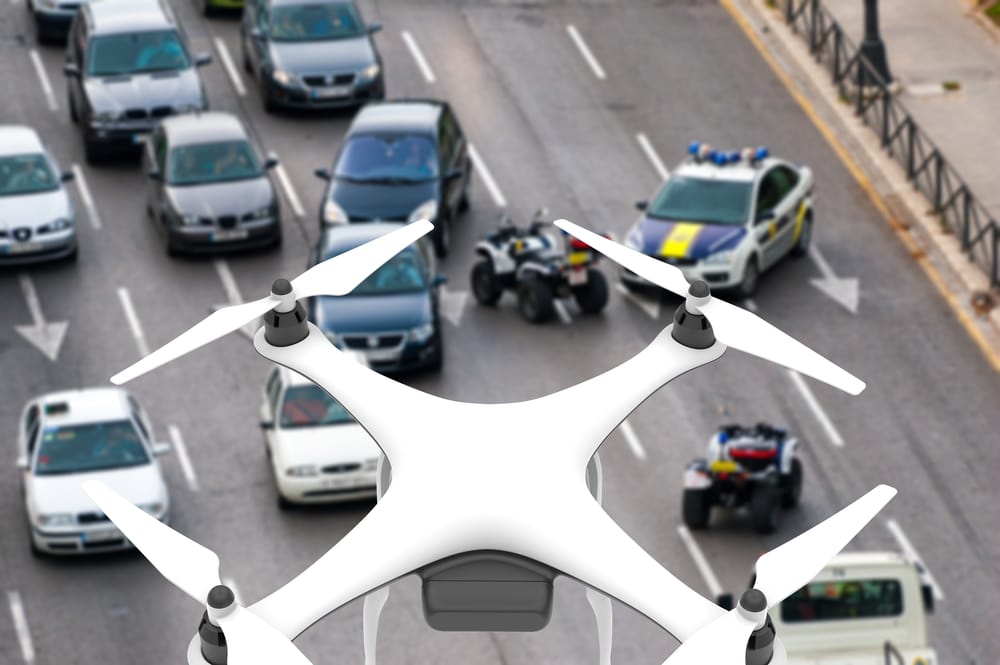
<point>925,166</point>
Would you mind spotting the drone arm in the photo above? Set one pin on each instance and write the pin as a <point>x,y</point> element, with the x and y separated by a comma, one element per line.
<point>374,602</point>
<point>601,605</point>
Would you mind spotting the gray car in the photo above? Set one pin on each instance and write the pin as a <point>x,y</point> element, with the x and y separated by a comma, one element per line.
<point>37,222</point>
<point>128,66</point>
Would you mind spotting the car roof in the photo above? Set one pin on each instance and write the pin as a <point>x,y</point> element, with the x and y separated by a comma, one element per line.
<point>189,128</point>
<point>277,3</point>
<point>86,405</point>
<point>398,116</point>
<point>348,236</point>
<point>739,172</point>
<point>19,139</point>
<point>117,16</point>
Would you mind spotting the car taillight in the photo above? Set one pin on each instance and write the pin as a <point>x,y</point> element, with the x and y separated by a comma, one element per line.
<point>753,453</point>
<point>578,244</point>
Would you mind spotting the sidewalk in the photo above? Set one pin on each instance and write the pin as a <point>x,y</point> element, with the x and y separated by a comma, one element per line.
<point>929,42</point>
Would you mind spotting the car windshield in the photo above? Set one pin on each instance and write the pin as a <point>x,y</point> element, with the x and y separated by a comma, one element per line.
<point>90,447</point>
<point>702,200</point>
<point>850,599</point>
<point>404,273</point>
<point>311,406</point>
<point>388,158</point>
<point>26,174</point>
<point>202,163</point>
<point>315,22</point>
<point>137,53</point>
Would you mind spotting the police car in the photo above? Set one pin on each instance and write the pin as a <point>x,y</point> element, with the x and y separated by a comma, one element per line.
<point>725,217</point>
<point>70,437</point>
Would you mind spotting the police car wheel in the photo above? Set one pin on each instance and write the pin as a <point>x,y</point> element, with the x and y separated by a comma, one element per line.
<point>792,486</point>
<point>805,236</point>
<point>485,286</point>
<point>764,508</point>
<point>748,285</point>
<point>696,508</point>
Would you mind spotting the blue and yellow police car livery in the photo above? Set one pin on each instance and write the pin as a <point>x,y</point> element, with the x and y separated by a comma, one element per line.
<point>725,217</point>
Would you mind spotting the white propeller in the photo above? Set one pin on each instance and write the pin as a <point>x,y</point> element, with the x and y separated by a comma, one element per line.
<point>336,276</point>
<point>780,573</point>
<point>194,569</point>
<point>733,326</point>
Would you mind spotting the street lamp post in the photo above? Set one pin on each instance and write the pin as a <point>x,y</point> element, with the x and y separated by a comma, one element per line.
<point>873,48</point>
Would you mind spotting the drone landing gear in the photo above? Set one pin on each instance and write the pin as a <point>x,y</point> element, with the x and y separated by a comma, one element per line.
<point>601,605</point>
<point>760,647</point>
<point>213,642</point>
<point>693,330</point>
<point>286,323</point>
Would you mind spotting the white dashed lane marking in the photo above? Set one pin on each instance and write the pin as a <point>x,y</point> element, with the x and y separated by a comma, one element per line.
<point>21,626</point>
<point>595,66</point>
<point>133,322</point>
<point>418,56</point>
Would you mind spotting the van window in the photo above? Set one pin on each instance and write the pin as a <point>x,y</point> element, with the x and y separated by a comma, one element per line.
<point>851,599</point>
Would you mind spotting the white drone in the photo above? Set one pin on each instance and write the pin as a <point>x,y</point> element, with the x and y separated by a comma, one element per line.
<point>487,548</point>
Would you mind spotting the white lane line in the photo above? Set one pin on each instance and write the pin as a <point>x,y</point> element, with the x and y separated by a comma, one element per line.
<point>227,63</point>
<point>487,177</point>
<point>21,626</point>
<point>43,78</point>
<point>233,294</point>
<point>651,155</point>
<point>183,458</point>
<point>750,304</point>
<point>290,194</point>
<point>911,553</point>
<point>814,405</point>
<point>133,321</point>
<point>585,52</point>
<point>415,51</point>
<point>711,581</point>
<point>563,313</point>
<point>649,306</point>
<point>88,200</point>
<point>632,439</point>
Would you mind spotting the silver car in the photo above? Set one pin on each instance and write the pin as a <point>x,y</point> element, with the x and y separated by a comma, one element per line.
<point>70,437</point>
<point>37,221</point>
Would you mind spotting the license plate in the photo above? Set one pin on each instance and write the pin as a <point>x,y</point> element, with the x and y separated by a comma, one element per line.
<point>723,466</point>
<point>343,482</point>
<point>577,277</point>
<point>230,234</point>
<point>332,91</point>
<point>100,535</point>
<point>579,258</point>
<point>23,247</point>
<point>382,356</point>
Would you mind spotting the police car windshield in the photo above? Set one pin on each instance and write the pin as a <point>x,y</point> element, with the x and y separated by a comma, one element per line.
<point>702,200</point>
<point>387,159</point>
<point>310,406</point>
<point>26,174</point>
<point>137,53</point>
<point>850,599</point>
<point>89,447</point>
<point>212,162</point>
<point>404,273</point>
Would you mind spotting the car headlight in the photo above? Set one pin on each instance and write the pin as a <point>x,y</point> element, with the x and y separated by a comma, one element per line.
<point>154,509</point>
<point>334,214</point>
<point>190,108</point>
<point>422,333</point>
<point>56,519</point>
<point>103,117</point>
<point>634,239</point>
<point>371,464</point>
<point>719,258</point>
<point>284,78</point>
<point>61,224</point>
<point>302,471</point>
<point>427,210</point>
<point>49,4</point>
<point>370,72</point>
<point>262,213</point>
<point>187,219</point>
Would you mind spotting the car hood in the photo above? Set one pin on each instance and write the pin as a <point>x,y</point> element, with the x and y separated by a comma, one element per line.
<point>34,209</point>
<point>224,198</point>
<point>365,201</point>
<point>334,444</point>
<point>63,493</point>
<point>372,314</point>
<point>320,57</point>
<point>145,91</point>
<point>678,239</point>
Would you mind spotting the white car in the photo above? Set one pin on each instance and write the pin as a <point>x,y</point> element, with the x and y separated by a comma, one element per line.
<point>318,452</point>
<point>67,438</point>
<point>725,217</point>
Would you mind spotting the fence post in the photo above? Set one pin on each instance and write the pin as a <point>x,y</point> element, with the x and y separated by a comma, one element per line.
<point>859,93</point>
<point>813,17</point>
<point>886,107</point>
<point>966,218</point>
<point>937,180</point>
<point>836,53</point>
<point>789,11</point>
<point>994,273</point>
<point>911,148</point>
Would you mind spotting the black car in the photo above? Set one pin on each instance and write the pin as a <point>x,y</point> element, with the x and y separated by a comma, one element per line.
<point>400,161</point>
<point>311,53</point>
<point>391,317</point>
<point>207,188</point>
<point>128,66</point>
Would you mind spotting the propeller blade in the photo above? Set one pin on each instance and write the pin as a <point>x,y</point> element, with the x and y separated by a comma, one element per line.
<point>787,568</point>
<point>744,330</point>
<point>658,272</point>
<point>192,568</point>
<point>342,274</point>
<point>722,642</point>
<point>209,329</point>
<point>252,641</point>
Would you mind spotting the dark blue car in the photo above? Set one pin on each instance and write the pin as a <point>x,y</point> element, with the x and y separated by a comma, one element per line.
<point>391,317</point>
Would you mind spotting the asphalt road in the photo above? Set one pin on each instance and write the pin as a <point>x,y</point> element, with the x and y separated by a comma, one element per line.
<point>551,133</point>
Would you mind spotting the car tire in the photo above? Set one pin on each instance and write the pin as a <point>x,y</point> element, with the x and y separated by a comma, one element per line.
<point>696,508</point>
<point>535,300</point>
<point>463,202</point>
<point>73,115</point>
<point>764,503</point>
<point>751,275</point>
<point>485,286</point>
<point>592,297</point>
<point>792,486</point>
<point>801,247</point>
<point>442,237</point>
<point>437,360</point>
<point>270,105</point>
<point>91,152</point>
<point>247,67</point>
<point>206,7</point>
<point>284,504</point>
<point>72,256</point>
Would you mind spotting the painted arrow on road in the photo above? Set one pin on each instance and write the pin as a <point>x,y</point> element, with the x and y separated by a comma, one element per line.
<point>843,290</point>
<point>453,305</point>
<point>46,337</point>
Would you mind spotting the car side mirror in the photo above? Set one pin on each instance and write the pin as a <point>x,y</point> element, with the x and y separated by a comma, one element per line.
<point>267,424</point>
<point>271,161</point>
<point>439,280</point>
<point>256,32</point>
<point>374,27</point>
<point>22,463</point>
<point>153,174</point>
<point>641,205</point>
<point>764,216</point>
<point>161,448</point>
<point>66,176</point>
<point>927,595</point>
<point>203,59</point>
<point>323,174</point>
<point>455,174</point>
<point>71,69</point>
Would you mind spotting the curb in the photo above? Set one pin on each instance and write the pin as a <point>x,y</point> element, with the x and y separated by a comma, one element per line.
<point>938,253</point>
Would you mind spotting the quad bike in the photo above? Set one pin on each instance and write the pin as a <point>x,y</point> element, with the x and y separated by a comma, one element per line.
<point>537,268</point>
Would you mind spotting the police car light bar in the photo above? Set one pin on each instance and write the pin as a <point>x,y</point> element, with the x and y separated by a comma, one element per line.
<point>701,152</point>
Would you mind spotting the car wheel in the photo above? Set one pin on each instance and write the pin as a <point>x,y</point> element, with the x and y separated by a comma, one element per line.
<point>442,237</point>
<point>592,296</point>
<point>91,152</point>
<point>72,256</point>
<point>437,360</point>
<point>73,115</point>
<point>270,105</point>
<point>283,503</point>
<point>246,59</point>
<point>764,508</point>
<point>697,507</point>
<point>805,237</point>
<point>463,202</point>
<point>485,286</point>
<point>792,486</point>
<point>535,300</point>
<point>206,7</point>
<point>748,285</point>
